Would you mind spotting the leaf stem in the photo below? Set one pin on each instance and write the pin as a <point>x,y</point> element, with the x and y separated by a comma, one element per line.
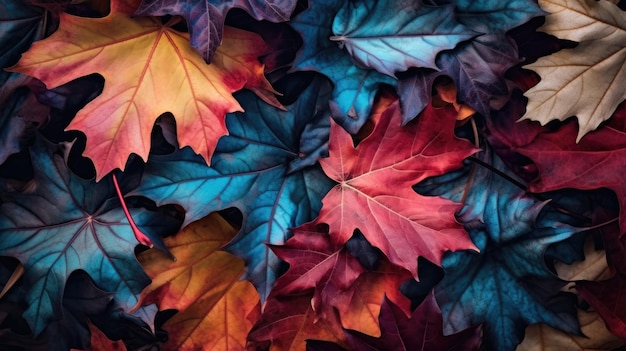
<point>141,236</point>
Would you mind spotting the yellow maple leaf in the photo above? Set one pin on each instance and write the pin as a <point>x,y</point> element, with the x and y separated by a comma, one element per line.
<point>149,68</point>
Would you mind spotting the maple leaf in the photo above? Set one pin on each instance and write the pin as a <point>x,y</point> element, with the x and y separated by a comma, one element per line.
<point>595,162</point>
<point>507,285</point>
<point>420,331</point>
<point>584,81</point>
<point>341,283</point>
<point>205,18</point>
<point>275,192</point>
<point>142,51</point>
<point>374,191</point>
<point>315,262</point>
<point>288,321</point>
<point>67,224</point>
<point>203,284</point>
<point>391,37</point>
<point>355,87</point>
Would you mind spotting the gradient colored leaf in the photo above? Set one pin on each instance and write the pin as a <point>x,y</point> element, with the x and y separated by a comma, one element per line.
<point>205,18</point>
<point>315,262</point>
<point>288,321</point>
<point>421,331</point>
<point>393,36</point>
<point>341,283</point>
<point>507,285</point>
<point>374,193</point>
<point>272,193</point>
<point>203,284</point>
<point>143,51</point>
<point>68,223</point>
<point>586,81</point>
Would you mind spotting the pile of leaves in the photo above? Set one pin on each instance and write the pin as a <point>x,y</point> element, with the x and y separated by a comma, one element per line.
<point>330,175</point>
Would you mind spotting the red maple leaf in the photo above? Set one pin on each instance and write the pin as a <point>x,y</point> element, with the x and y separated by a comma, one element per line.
<point>597,161</point>
<point>375,192</point>
<point>341,283</point>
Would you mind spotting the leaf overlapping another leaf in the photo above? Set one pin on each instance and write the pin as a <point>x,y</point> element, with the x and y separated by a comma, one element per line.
<point>205,18</point>
<point>203,284</point>
<point>142,50</point>
<point>68,224</point>
<point>585,81</point>
<point>374,191</point>
<point>255,169</point>
<point>507,285</point>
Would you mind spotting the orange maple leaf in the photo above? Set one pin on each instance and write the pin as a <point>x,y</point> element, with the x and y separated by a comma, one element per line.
<point>216,308</point>
<point>149,69</point>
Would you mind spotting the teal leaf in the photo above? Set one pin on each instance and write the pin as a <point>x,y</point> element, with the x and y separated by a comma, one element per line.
<point>392,36</point>
<point>252,169</point>
<point>495,16</point>
<point>65,224</point>
<point>354,86</point>
<point>506,286</point>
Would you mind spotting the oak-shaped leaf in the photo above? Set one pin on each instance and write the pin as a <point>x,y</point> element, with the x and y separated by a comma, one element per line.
<point>393,36</point>
<point>506,286</point>
<point>143,51</point>
<point>203,285</point>
<point>67,223</point>
<point>420,331</point>
<point>339,280</point>
<point>586,81</point>
<point>288,321</point>
<point>205,18</point>
<point>595,162</point>
<point>374,191</point>
<point>255,169</point>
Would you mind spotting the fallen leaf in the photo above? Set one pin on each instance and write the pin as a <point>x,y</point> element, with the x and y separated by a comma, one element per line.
<point>595,162</point>
<point>203,284</point>
<point>288,321</point>
<point>374,191</point>
<point>585,81</point>
<point>421,331</point>
<point>505,286</point>
<point>68,224</point>
<point>274,193</point>
<point>205,18</point>
<point>391,37</point>
<point>142,50</point>
<point>540,337</point>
